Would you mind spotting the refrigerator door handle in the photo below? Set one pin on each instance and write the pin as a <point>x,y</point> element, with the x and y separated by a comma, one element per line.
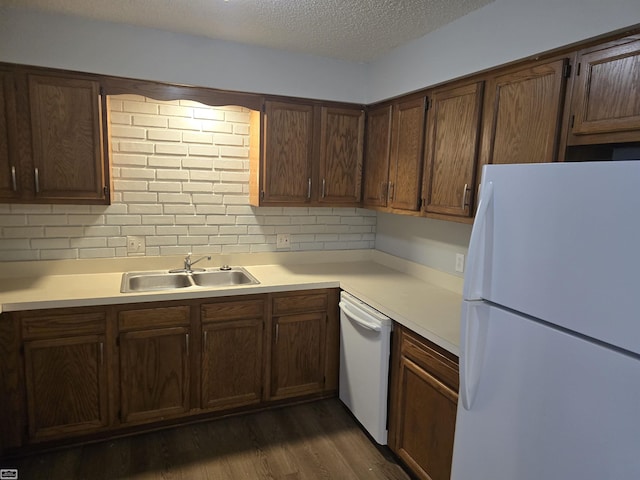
<point>479,246</point>
<point>475,324</point>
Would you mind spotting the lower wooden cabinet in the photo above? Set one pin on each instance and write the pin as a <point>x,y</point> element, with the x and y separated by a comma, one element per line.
<point>69,374</point>
<point>232,353</point>
<point>154,363</point>
<point>423,393</point>
<point>299,346</point>
<point>65,374</point>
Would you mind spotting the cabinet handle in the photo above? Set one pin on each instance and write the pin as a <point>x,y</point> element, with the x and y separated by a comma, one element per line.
<point>204,341</point>
<point>323,186</point>
<point>13,179</point>
<point>309,188</point>
<point>37,178</point>
<point>101,353</point>
<point>186,342</point>
<point>277,325</point>
<point>390,192</point>
<point>464,195</point>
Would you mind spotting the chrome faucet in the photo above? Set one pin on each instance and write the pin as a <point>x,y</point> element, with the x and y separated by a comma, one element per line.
<point>188,263</point>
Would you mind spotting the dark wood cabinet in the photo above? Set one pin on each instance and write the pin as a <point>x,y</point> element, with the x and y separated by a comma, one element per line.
<point>452,147</point>
<point>66,376</point>
<point>522,114</point>
<point>10,168</point>
<point>52,138</point>
<point>341,151</point>
<point>377,156</point>
<point>232,352</point>
<point>407,143</point>
<point>66,132</point>
<point>154,363</point>
<point>312,155</point>
<point>605,105</point>
<point>303,344</point>
<point>288,153</point>
<point>394,155</point>
<point>423,402</point>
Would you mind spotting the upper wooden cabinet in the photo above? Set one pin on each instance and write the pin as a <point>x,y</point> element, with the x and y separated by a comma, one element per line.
<point>605,105</point>
<point>522,114</point>
<point>378,149</point>
<point>394,156</point>
<point>52,138</point>
<point>451,149</point>
<point>9,162</point>
<point>67,139</point>
<point>341,149</point>
<point>311,155</point>
<point>288,153</point>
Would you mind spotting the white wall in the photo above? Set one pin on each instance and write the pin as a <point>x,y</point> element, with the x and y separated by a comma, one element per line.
<point>71,43</point>
<point>433,243</point>
<point>500,32</point>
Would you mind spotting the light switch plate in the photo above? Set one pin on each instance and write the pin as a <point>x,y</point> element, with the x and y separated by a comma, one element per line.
<point>460,262</point>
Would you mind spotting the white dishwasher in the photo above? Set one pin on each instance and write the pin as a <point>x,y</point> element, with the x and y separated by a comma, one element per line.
<point>365,344</point>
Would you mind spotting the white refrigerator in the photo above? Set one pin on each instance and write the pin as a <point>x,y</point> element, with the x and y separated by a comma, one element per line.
<point>550,328</point>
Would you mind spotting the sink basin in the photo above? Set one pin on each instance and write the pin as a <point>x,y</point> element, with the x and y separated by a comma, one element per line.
<point>149,281</point>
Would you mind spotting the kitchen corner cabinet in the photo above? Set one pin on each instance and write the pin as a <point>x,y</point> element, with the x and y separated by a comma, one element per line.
<point>311,155</point>
<point>52,138</point>
<point>423,403</point>
<point>451,150</point>
<point>605,106</point>
<point>522,114</point>
<point>232,352</point>
<point>154,363</point>
<point>304,344</point>
<point>66,375</point>
<point>394,155</point>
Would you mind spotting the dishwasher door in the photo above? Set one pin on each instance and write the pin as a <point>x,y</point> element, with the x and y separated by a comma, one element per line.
<point>365,345</point>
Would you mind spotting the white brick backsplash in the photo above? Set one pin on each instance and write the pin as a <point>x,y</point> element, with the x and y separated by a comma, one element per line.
<point>180,173</point>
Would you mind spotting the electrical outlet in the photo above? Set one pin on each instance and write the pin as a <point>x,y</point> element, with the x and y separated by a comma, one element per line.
<point>459,262</point>
<point>282,240</point>
<point>135,245</point>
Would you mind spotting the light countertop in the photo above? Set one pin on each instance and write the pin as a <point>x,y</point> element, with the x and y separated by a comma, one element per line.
<point>422,299</point>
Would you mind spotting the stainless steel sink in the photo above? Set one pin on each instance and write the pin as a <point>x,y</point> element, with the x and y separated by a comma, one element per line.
<point>164,280</point>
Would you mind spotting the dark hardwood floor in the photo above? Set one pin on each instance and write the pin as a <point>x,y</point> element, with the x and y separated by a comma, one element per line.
<point>318,440</point>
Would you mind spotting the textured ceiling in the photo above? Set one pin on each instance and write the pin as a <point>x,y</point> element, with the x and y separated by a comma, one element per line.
<point>356,30</point>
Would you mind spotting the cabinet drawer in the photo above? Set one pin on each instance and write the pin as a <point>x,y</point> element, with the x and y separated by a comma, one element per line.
<point>305,302</point>
<point>57,325</point>
<point>215,312</point>
<point>154,318</point>
<point>430,358</point>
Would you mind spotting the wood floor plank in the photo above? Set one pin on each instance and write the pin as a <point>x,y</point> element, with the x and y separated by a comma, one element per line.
<point>313,441</point>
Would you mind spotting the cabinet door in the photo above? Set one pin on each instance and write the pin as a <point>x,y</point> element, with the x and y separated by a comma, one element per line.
<point>154,374</point>
<point>452,143</point>
<point>376,163</point>
<point>9,163</point>
<point>288,153</point>
<point>66,383</point>
<point>522,113</point>
<point>232,363</point>
<point>405,171</point>
<point>341,145</point>
<point>423,406</point>
<point>297,355</point>
<point>66,120</point>
<point>606,96</point>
